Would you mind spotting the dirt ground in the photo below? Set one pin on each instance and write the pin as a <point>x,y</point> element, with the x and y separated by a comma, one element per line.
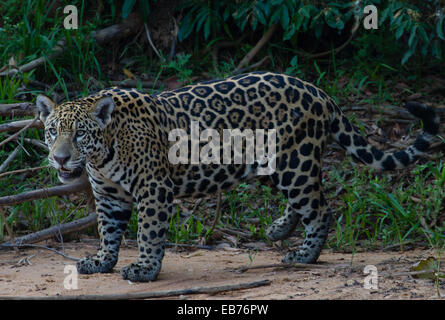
<point>39,272</point>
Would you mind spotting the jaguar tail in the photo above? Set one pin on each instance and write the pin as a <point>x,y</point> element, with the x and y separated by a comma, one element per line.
<point>349,138</point>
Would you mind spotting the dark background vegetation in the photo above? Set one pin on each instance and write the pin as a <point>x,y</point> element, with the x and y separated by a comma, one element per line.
<point>370,72</point>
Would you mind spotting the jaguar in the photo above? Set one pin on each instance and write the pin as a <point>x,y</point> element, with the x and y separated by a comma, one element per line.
<point>120,137</point>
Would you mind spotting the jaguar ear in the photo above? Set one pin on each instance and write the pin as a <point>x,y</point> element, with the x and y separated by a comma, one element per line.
<point>102,111</point>
<point>45,106</point>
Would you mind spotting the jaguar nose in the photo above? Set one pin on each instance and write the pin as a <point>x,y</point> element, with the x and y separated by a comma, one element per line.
<point>61,159</point>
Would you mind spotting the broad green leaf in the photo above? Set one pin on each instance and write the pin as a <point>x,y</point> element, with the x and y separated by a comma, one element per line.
<point>284,17</point>
<point>423,34</point>
<point>399,31</point>
<point>207,26</point>
<point>412,35</point>
<point>437,49</point>
<point>127,7</point>
<point>439,28</point>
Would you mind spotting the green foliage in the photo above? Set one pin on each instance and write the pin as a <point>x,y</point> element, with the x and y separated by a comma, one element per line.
<point>416,26</point>
<point>293,16</point>
<point>375,212</point>
<point>144,8</point>
<point>421,23</point>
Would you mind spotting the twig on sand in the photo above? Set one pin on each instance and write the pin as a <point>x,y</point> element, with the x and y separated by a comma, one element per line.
<point>16,246</point>
<point>303,266</point>
<point>149,295</point>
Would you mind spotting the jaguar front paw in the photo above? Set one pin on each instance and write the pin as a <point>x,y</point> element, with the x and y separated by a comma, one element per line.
<point>139,272</point>
<point>280,229</point>
<point>96,264</point>
<point>300,256</point>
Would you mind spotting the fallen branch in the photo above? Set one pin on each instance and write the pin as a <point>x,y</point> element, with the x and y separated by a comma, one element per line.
<point>45,193</point>
<point>149,295</point>
<point>21,171</point>
<point>66,228</point>
<point>36,142</point>
<point>10,138</point>
<point>303,266</point>
<point>9,159</point>
<point>57,50</point>
<point>20,124</point>
<point>18,109</point>
<point>16,246</point>
<point>264,39</point>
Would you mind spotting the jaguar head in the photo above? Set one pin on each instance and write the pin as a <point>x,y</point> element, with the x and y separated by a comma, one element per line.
<point>74,132</point>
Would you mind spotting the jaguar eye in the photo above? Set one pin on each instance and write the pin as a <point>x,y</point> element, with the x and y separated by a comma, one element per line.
<point>80,133</point>
<point>53,131</point>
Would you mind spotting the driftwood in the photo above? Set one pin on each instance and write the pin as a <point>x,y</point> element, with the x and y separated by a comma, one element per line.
<point>15,135</point>
<point>45,193</point>
<point>113,33</point>
<point>21,171</point>
<point>20,124</point>
<point>9,159</point>
<point>18,109</point>
<point>17,246</point>
<point>50,232</point>
<point>35,142</point>
<point>301,266</point>
<point>149,295</point>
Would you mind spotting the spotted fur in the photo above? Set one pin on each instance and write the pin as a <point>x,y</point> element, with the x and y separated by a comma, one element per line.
<point>121,138</point>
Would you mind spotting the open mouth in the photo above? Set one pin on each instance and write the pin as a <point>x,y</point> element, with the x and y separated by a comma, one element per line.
<point>70,173</point>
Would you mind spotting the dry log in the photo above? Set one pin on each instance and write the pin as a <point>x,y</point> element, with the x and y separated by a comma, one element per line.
<point>9,159</point>
<point>56,230</point>
<point>20,124</point>
<point>18,109</point>
<point>21,171</point>
<point>62,190</point>
<point>15,135</point>
<point>149,294</point>
<point>17,246</point>
<point>36,142</point>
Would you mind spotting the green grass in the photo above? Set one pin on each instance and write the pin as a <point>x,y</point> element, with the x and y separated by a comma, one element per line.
<point>377,212</point>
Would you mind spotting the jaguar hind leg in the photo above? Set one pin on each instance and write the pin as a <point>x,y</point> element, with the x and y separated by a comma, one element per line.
<point>316,224</point>
<point>306,204</point>
<point>282,227</point>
